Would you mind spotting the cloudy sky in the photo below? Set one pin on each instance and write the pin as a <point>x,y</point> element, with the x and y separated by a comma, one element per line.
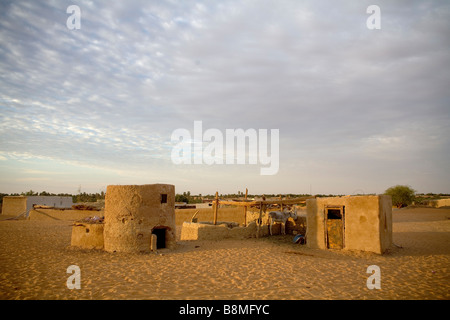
<point>358,110</point>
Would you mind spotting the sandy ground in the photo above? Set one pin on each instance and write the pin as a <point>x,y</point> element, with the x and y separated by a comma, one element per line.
<point>35,255</point>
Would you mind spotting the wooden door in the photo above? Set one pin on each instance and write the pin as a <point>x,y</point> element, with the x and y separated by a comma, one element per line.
<point>334,222</point>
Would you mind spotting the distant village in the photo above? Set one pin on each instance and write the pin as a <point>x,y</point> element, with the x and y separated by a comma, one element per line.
<point>188,200</point>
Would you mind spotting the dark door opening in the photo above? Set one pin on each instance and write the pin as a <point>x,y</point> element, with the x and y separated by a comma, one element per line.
<point>334,227</point>
<point>160,237</point>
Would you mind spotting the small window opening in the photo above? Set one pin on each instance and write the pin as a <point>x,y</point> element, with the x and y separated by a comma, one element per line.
<point>334,214</point>
<point>163,198</point>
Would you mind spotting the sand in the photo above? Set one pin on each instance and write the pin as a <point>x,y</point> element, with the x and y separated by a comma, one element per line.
<point>35,255</point>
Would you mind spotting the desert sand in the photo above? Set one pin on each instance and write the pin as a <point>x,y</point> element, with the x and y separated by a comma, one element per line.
<point>35,255</point>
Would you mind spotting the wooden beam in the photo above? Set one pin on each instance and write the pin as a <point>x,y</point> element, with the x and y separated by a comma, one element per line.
<point>256,203</point>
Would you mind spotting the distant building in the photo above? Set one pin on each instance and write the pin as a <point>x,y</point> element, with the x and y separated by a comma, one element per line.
<point>17,205</point>
<point>184,205</point>
<point>204,205</point>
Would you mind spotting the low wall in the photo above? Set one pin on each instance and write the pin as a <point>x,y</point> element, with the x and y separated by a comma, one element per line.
<point>204,231</point>
<point>207,214</point>
<point>438,203</point>
<point>87,235</point>
<point>59,214</point>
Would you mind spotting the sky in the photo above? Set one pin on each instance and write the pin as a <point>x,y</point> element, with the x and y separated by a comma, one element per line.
<point>358,109</point>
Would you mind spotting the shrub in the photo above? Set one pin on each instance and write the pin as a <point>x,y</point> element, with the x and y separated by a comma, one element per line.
<point>401,195</point>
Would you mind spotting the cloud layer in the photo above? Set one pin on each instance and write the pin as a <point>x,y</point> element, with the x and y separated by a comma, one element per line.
<point>357,109</point>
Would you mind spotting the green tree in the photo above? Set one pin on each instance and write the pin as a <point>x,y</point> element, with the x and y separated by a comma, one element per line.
<point>30,193</point>
<point>401,195</point>
<point>45,193</point>
<point>181,198</point>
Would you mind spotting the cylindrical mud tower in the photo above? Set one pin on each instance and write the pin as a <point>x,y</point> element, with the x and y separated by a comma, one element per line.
<point>134,212</point>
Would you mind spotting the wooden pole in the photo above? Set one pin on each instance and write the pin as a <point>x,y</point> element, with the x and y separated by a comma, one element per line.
<point>216,206</point>
<point>193,217</point>
<point>258,229</point>
<point>263,206</point>
<point>281,203</point>
<point>245,208</point>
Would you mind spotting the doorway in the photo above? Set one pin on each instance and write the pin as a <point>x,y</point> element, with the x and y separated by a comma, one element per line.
<point>160,234</point>
<point>335,227</point>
